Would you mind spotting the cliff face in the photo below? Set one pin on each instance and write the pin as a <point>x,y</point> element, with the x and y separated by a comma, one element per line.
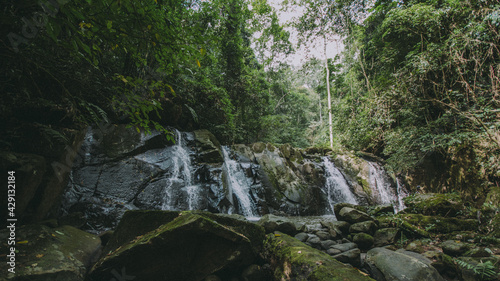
<point>119,169</point>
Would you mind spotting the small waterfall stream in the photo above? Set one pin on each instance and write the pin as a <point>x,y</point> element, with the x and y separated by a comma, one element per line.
<point>237,184</point>
<point>182,176</point>
<point>337,188</point>
<point>384,190</point>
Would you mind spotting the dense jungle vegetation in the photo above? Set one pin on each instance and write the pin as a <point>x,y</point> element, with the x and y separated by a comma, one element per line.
<point>418,82</point>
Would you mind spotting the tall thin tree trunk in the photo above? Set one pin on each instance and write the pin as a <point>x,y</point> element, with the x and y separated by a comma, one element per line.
<point>329,95</point>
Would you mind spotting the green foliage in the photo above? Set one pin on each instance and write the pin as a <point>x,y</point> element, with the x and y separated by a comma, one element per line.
<point>483,270</point>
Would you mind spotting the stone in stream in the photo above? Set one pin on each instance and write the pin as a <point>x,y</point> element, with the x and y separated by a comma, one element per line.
<point>344,247</point>
<point>363,240</point>
<point>293,260</point>
<point>272,223</point>
<point>162,245</point>
<point>384,264</point>
<point>351,257</point>
<point>352,215</point>
<point>454,248</point>
<point>302,237</point>
<point>367,227</point>
<point>386,236</point>
<point>327,244</point>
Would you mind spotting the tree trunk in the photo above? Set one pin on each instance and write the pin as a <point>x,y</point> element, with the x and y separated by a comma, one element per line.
<point>330,125</point>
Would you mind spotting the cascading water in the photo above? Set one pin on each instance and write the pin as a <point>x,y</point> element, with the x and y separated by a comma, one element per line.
<point>238,185</point>
<point>401,193</point>
<point>384,189</point>
<point>181,176</point>
<point>336,186</point>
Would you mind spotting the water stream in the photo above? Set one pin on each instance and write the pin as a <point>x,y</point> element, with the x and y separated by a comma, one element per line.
<point>336,186</point>
<point>238,185</point>
<point>181,177</point>
<point>384,189</point>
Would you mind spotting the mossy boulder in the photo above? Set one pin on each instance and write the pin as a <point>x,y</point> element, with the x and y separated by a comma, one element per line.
<point>44,253</point>
<point>352,215</point>
<point>367,227</point>
<point>454,248</point>
<point>446,205</point>
<point>386,236</point>
<point>438,224</point>
<point>190,246</point>
<point>291,259</point>
<point>272,223</point>
<point>364,241</point>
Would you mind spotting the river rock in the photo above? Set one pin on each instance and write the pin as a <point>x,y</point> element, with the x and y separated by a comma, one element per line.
<point>293,260</point>
<point>327,244</point>
<point>367,227</point>
<point>454,248</point>
<point>302,237</point>
<point>314,242</point>
<point>340,227</point>
<point>344,247</point>
<point>386,236</point>
<point>323,235</point>
<point>191,246</point>
<point>379,210</point>
<point>43,253</point>
<point>388,265</point>
<point>446,205</point>
<point>363,240</point>
<point>351,257</point>
<point>352,215</point>
<point>272,223</point>
<point>338,207</point>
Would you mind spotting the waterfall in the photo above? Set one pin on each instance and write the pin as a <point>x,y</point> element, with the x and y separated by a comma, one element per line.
<point>238,185</point>
<point>181,176</point>
<point>336,186</point>
<point>401,193</point>
<point>383,188</point>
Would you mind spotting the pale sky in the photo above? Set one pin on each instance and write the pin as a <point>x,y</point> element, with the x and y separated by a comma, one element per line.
<point>301,55</point>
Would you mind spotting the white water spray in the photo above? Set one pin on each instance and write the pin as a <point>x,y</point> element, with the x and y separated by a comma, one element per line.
<point>384,189</point>
<point>336,186</point>
<point>181,175</point>
<point>238,185</point>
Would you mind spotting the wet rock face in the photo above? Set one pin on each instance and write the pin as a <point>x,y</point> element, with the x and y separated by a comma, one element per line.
<point>119,169</point>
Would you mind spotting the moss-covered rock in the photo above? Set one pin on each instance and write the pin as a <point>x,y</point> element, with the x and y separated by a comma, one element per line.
<point>454,248</point>
<point>386,236</point>
<point>291,259</point>
<point>364,241</point>
<point>272,223</point>
<point>367,227</point>
<point>190,246</point>
<point>44,253</point>
<point>446,205</point>
<point>209,147</point>
<point>351,215</point>
<point>438,224</point>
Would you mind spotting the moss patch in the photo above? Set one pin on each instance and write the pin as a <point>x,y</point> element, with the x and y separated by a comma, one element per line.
<point>293,260</point>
